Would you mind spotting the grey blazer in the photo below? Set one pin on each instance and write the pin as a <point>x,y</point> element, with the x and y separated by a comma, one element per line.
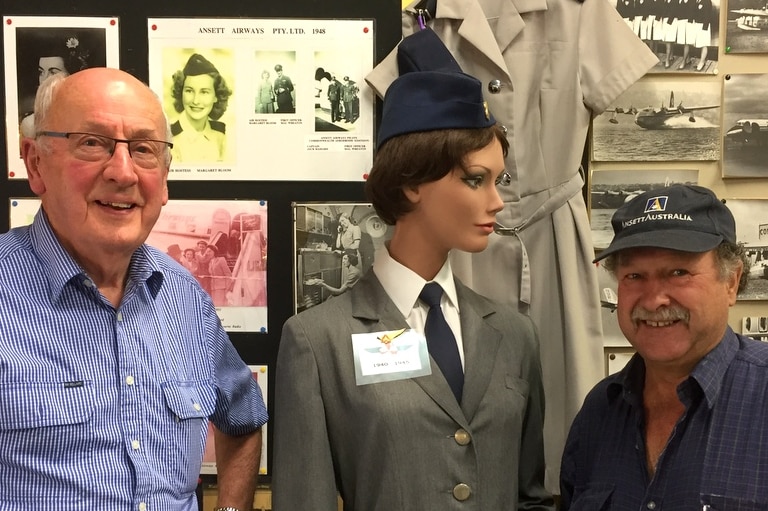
<point>407,444</point>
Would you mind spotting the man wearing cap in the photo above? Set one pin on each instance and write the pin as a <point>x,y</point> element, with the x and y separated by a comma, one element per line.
<point>283,92</point>
<point>200,96</point>
<point>399,405</point>
<point>682,426</point>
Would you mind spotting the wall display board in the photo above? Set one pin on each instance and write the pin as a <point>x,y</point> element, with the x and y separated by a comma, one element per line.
<point>268,114</point>
<point>37,47</point>
<point>335,243</point>
<point>261,375</point>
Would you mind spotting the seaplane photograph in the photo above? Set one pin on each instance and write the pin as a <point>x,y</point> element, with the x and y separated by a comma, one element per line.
<point>745,125</point>
<point>747,26</point>
<point>660,121</point>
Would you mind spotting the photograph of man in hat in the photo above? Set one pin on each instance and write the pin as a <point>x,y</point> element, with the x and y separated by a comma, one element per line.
<point>462,425</point>
<point>682,425</point>
<point>283,88</point>
<point>200,96</point>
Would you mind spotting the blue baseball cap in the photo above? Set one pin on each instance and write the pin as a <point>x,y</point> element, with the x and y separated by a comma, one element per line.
<point>433,100</point>
<point>687,218</point>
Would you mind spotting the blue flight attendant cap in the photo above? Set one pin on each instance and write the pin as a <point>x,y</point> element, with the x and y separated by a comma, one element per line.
<point>433,100</point>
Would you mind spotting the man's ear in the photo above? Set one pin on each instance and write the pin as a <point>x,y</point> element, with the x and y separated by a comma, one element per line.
<point>30,153</point>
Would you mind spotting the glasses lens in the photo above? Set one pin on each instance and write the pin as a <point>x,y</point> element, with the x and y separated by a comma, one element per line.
<point>89,147</point>
<point>146,153</point>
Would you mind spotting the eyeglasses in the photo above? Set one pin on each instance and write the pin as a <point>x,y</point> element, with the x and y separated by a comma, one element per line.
<point>146,153</point>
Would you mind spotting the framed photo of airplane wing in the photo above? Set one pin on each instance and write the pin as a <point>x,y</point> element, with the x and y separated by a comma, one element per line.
<point>745,125</point>
<point>660,120</point>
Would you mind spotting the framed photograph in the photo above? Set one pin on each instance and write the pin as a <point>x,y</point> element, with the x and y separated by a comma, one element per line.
<point>265,99</point>
<point>260,374</point>
<point>609,189</point>
<point>747,27</point>
<point>223,243</point>
<point>335,243</point>
<point>683,35</point>
<point>745,125</point>
<point>752,230</point>
<point>37,47</point>
<point>657,120</point>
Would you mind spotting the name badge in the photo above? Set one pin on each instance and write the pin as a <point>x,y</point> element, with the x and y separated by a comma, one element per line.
<point>390,355</point>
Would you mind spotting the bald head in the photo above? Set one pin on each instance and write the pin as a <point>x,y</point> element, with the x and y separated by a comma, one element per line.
<point>62,98</point>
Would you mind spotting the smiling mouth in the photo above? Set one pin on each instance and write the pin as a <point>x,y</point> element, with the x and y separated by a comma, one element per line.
<point>657,324</point>
<point>117,205</point>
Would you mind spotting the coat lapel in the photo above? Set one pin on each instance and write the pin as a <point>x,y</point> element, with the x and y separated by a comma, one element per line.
<point>371,304</point>
<point>481,344</point>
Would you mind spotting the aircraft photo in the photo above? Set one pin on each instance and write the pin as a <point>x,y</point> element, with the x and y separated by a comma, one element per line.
<point>660,120</point>
<point>745,125</point>
<point>747,26</point>
<point>652,118</point>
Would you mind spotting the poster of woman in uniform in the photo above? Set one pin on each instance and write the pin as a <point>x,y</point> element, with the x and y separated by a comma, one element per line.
<point>38,48</point>
<point>269,66</point>
<point>335,245</point>
<point>224,245</point>
<point>196,100</point>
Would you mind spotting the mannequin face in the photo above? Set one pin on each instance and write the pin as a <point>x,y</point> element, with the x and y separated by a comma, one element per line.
<point>49,66</point>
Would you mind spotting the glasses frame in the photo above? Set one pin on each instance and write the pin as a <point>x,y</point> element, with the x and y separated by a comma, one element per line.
<point>127,142</point>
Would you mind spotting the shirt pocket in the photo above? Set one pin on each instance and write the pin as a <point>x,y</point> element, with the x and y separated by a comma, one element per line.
<point>593,497</point>
<point>190,399</point>
<point>27,405</point>
<point>725,503</point>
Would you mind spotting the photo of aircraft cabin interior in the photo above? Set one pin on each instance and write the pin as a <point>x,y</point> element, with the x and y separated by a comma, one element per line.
<point>531,157</point>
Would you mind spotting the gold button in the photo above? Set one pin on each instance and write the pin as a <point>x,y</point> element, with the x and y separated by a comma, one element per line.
<point>461,492</point>
<point>462,437</point>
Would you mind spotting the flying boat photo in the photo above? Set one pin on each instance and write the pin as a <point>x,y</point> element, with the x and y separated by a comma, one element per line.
<point>651,118</point>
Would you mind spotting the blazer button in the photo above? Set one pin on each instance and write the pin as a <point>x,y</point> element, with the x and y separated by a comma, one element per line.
<point>462,437</point>
<point>461,492</point>
<point>494,86</point>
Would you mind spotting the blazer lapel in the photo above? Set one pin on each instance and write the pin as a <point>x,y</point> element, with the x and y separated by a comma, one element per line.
<point>371,304</point>
<point>481,344</point>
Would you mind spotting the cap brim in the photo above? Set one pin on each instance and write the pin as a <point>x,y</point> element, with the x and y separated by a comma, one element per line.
<point>673,239</point>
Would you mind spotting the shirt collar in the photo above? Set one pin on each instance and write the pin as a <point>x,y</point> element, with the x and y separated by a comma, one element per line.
<point>187,127</point>
<point>708,373</point>
<point>403,285</point>
<point>61,268</point>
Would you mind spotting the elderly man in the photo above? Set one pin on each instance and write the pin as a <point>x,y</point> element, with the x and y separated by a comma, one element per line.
<point>112,358</point>
<point>682,426</point>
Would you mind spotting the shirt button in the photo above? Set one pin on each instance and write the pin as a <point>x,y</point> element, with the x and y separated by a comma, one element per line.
<point>129,380</point>
<point>196,407</point>
<point>461,492</point>
<point>462,437</point>
<point>135,444</point>
<point>142,506</point>
<point>494,86</point>
<point>651,505</point>
<point>119,316</point>
<point>88,283</point>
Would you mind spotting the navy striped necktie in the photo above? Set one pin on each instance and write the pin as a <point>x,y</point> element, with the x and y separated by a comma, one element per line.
<point>440,339</point>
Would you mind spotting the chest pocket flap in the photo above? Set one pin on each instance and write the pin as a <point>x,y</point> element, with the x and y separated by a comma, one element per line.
<point>190,399</point>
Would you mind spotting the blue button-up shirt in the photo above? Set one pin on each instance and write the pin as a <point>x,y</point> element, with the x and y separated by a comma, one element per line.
<point>104,408</point>
<point>717,455</point>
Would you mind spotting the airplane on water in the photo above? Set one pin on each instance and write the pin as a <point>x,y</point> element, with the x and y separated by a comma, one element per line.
<point>656,119</point>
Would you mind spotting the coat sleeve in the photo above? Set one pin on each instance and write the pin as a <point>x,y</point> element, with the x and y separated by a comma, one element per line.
<point>303,475</point>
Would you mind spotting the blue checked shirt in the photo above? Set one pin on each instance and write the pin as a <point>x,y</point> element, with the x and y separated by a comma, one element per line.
<point>104,409</point>
<point>715,460</point>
